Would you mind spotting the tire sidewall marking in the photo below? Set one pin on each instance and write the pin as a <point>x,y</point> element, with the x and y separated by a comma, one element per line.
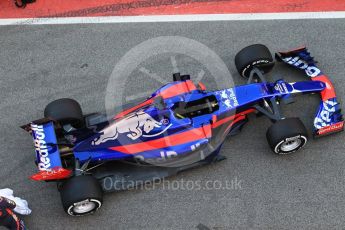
<point>260,61</point>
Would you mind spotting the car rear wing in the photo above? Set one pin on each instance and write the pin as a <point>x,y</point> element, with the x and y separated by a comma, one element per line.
<point>47,151</point>
<point>329,118</point>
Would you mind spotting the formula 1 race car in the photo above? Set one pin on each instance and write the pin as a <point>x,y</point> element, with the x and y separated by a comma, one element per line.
<point>180,126</point>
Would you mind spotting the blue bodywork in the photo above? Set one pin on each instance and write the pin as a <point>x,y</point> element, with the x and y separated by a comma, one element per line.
<point>230,102</point>
<point>187,119</point>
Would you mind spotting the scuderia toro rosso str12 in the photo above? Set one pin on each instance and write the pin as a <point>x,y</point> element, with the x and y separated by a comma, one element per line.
<point>179,127</point>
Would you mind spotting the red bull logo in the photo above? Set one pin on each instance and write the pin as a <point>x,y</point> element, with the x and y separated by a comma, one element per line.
<point>41,147</point>
<point>134,126</point>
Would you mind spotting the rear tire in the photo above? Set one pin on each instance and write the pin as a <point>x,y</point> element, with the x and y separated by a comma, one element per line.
<point>81,195</point>
<point>252,56</point>
<point>287,136</point>
<point>65,111</point>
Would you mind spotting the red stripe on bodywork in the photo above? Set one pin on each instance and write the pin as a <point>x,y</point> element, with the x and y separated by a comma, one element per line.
<point>172,91</point>
<point>180,88</point>
<point>237,119</point>
<point>221,122</point>
<point>329,91</point>
<point>56,173</point>
<point>294,50</point>
<point>176,139</point>
<point>180,138</point>
<point>331,128</point>
<point>202,86</point>
<point>124,113</point>
<point>230,118</point>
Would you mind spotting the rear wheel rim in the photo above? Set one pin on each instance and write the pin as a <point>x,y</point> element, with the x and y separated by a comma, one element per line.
<point>84,207</point>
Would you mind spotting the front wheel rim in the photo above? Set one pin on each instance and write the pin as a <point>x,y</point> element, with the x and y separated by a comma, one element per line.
<point>291,145</point>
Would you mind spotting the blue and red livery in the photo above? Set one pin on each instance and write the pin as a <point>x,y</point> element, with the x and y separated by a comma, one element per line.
<point>178,119</point>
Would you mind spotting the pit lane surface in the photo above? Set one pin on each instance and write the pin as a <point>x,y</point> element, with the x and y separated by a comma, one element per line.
<point>41,63</point>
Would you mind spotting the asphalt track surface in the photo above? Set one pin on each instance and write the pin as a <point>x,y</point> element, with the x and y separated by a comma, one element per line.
<point>304,190</point>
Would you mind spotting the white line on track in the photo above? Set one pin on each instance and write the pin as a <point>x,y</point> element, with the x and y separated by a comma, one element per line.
<point>174,18</point>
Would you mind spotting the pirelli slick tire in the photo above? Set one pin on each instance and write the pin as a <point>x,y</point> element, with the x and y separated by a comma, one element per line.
<point>252,56</point>
<point>65,111</point>
<point>287,136</point>
<point>81,195</point>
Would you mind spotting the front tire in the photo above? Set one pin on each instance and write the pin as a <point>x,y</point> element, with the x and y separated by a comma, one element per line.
<point>257,56</point>
<point>81,195</point>
<point>287,136</point>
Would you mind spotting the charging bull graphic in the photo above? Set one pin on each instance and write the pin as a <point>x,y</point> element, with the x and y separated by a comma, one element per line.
<point>134,125</point>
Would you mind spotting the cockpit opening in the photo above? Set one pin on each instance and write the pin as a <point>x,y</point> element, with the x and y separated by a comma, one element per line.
<point>205,105</point>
